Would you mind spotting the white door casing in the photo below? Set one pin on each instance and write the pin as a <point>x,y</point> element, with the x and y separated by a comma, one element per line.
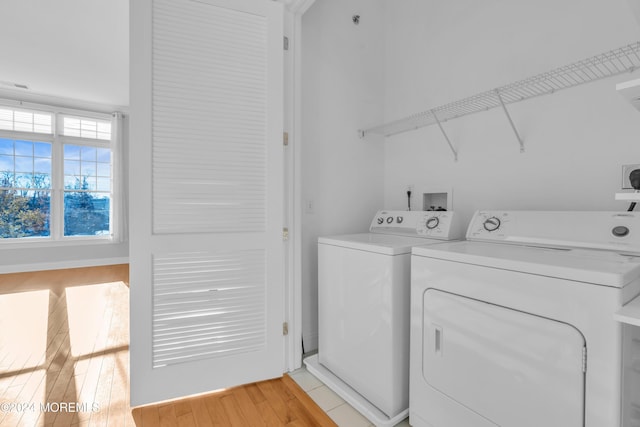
<point>207,279</point>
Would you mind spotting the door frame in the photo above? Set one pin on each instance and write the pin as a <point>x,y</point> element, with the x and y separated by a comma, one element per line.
<point>294,11</point>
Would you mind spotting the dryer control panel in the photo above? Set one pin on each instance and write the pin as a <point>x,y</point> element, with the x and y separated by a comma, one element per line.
<point>619,231</point>
<point>444,225</point>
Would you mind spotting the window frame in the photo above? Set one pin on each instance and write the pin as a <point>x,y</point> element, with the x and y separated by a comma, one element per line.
<point>58,140</point>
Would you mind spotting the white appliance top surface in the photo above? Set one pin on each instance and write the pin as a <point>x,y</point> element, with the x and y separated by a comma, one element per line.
<point>584,265</point>
<point>386,244</point>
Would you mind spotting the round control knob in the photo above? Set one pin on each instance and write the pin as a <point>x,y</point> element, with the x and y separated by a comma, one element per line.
<point>399,219</point>
<point>380,220</point>
<point>389,220</point>
<point>620,231</point>
<point>432,222</point>
<point>491,224</point>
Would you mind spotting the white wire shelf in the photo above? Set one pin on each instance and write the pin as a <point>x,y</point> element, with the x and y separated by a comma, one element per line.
<point>618,61</point>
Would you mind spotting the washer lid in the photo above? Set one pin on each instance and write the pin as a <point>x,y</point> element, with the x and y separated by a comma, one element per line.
<point>585,265</point>
<point>386,244</point>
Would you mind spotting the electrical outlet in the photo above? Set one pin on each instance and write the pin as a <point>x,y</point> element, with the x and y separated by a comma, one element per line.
<point>626,170</point>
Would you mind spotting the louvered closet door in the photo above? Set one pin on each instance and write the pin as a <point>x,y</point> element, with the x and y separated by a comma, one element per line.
<point>207,282</point>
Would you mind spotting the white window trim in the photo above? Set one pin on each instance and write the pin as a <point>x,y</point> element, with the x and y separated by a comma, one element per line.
<point>56,233</point>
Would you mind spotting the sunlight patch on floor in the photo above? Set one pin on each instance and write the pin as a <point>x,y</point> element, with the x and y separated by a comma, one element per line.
<point>23,328</point>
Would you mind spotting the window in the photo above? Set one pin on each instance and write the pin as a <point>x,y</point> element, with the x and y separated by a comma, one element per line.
<point>87,190</point>
<point>56,175</point>
<point>25,188</point>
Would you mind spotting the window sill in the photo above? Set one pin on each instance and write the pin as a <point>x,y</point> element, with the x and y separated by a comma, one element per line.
<point>37,242</point>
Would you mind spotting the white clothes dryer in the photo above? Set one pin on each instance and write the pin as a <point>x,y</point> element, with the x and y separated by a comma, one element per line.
<point>363,310</point>
<point>514,327</point>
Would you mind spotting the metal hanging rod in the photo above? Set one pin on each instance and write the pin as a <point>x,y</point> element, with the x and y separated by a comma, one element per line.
<point>618,61</point>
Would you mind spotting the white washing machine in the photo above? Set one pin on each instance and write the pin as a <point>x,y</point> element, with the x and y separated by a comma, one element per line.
<point>514,327</point>
<point>363,310</point>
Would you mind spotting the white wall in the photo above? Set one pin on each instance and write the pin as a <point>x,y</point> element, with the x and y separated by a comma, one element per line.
<point>342,87</point>
<point>575,140</point>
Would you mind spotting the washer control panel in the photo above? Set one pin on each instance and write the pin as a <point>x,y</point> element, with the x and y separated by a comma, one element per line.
<point>430,224</point>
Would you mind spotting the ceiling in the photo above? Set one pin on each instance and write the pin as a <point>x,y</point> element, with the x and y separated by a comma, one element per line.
<point>75,50</point>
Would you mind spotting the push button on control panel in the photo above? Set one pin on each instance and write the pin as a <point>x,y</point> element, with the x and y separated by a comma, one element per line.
<point>620,231</point>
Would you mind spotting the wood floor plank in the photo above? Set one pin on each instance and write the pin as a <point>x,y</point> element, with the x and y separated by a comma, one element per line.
<point>301,415</point>
<point>249,410</point>
<point>268,415</point>
<point>200,413</point>
<point>97,370</point>
<point>255,393</point>
<point>233,411</point>
<point>136,414</point>
<point>277,401</point>
<point>167,416</point>
<point>186,420</point>
<point>150,416</point>
<point>216,410</point>
<point>182,407</point>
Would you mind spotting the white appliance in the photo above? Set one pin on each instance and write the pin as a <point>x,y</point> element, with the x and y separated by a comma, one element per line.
<point>363,310</point>
<point>514,327</point>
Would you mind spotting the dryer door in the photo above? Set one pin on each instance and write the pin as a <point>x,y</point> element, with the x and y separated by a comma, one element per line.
<point>510,367</point>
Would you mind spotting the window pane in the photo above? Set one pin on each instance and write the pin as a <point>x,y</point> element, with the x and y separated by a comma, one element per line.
<point>26,120</point>
<point>7,179</point>
<point>71,167</point>
<point>88,154</point>
<point>6,163</point>
<point>6,119</point>
<point>42,180</point>
<point>78,182</point>
<point>42,149</point>
<point>86,214</point>
<point>24,164</point>
<point>104,169</point>
<point>86,128</point>
<point>71,152</point>
<point>24,213</point>
<point>104,155</point>
<point>104,184</point>
<point>24,148</point>
<point>71,126</point>
<point>24,170</point>
<point>71,182</point>
<point>42,119</point>
<point>42,165</point>
<point>6,146</point>
<point>88,169</point>
<point>89,183</point>
<point>24,180</point>
<point>104,130</point>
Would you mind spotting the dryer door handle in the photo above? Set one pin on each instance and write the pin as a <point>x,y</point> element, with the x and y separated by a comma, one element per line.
<point>437,339</point>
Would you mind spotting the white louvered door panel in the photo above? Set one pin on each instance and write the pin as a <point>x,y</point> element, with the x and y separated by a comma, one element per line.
<point>207,282</point>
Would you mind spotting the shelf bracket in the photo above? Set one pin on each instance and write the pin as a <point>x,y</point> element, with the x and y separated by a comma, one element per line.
<point>504,107</point>
<point>455,154</point>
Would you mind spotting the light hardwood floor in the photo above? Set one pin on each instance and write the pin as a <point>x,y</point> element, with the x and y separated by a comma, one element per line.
<point>64,339</point>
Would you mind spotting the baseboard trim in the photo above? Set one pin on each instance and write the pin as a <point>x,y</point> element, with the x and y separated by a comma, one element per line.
<point>42,266</point>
